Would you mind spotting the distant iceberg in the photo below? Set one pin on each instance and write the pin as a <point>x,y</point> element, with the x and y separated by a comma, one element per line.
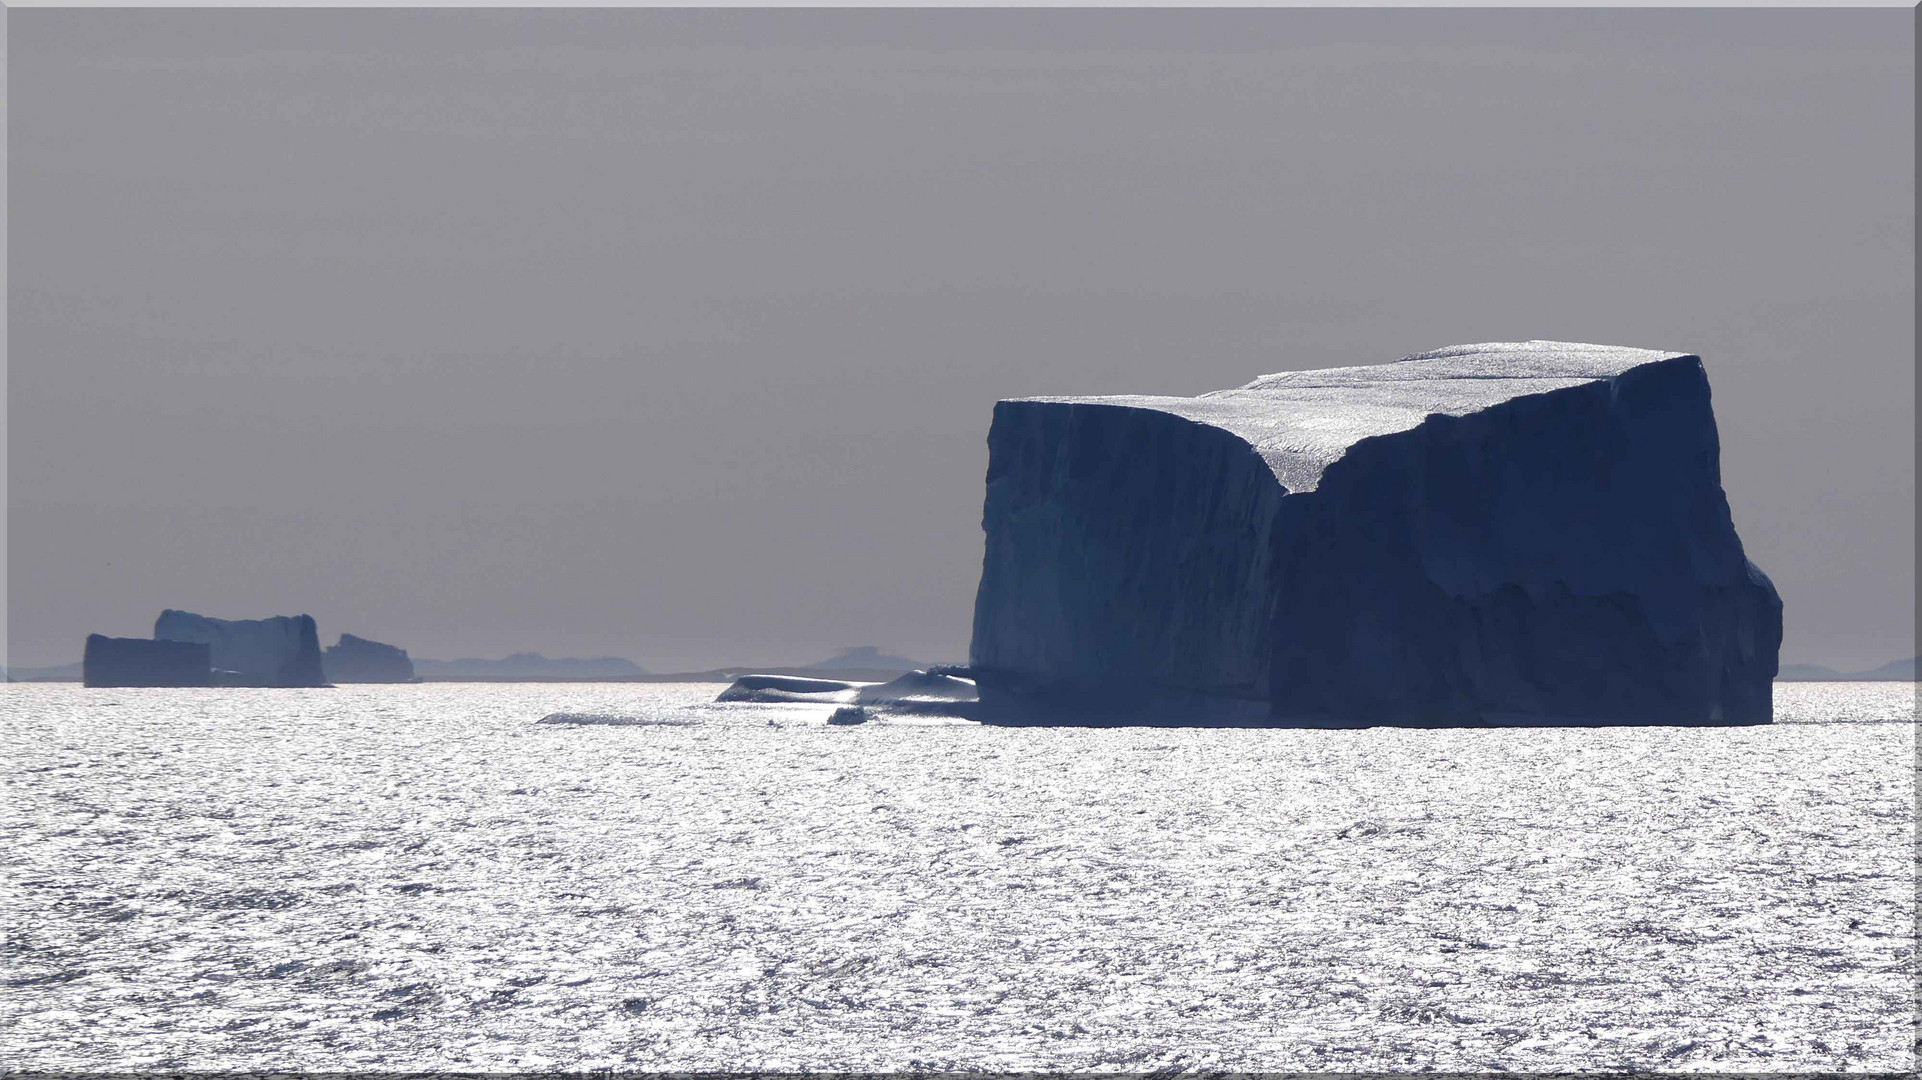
<point>1524,532</point>
<point>112,661</point>
<point>358,660</point>
<point>280,651</point>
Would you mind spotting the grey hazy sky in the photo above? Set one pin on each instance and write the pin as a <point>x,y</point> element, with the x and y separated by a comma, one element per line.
<point>675,334</point>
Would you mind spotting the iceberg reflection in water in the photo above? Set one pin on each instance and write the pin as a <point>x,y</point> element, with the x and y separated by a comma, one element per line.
<point>421,877</point>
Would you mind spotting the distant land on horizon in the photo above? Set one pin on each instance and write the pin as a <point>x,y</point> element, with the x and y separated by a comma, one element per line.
<point>531,665</point>
<point>855,662</point>
<point>863,661</point>
<point>859,663</point>
<point>516,666</point>
<point>870,657</point>
<point>1893,671</point>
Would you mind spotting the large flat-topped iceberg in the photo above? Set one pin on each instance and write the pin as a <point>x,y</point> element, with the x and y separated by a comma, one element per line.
<point>1501,533</point>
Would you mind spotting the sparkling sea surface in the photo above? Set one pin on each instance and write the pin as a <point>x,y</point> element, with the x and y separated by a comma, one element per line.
<point>422,877</point>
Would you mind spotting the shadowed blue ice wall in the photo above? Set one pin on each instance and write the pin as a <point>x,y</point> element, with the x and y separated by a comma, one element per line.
<point>1529,532</point>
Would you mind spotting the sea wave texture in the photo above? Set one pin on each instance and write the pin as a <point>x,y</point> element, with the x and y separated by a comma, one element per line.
<point>423,877</point>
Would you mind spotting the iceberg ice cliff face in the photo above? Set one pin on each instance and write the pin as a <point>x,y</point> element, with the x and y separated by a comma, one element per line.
<point>1506,533</point>
<point>281,651</point>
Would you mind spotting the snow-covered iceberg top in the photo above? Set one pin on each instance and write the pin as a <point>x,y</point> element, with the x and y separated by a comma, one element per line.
<point>1300,422</point>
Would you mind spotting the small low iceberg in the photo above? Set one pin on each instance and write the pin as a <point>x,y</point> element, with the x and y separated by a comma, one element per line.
<point>791,689</point>
<point>938,692</point>
<point>612,719</point>
<point>920,692</point>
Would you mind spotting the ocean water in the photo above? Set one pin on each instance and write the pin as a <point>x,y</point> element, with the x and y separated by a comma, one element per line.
<point>422,877</point>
